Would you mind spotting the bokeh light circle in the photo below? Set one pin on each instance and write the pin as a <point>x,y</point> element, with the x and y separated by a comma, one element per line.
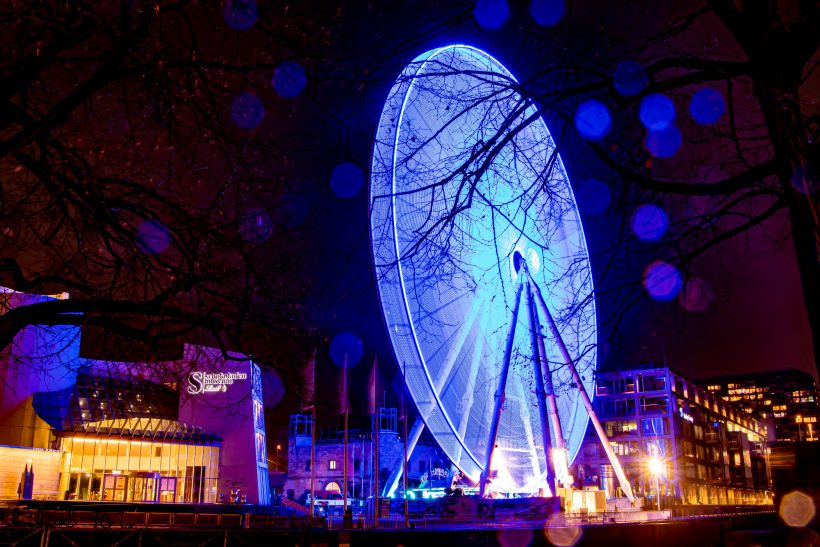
<point>664,143</point>
<point>515,537</point>
<point>593,196</point>
<point>152,237</point>
<point>630,78</point>
<point>256,226</point>
<point>707,106</point>
<point>656,111</point>
<point>347,180</point>
<point>547,13</point>
<point>649,222</point>
<point>240,14</point>
<point>273,390</point>
<point>289,79</point>
<point>247,110</point>
<point>491,14</point>
<point>592,120</point>
<point>696,296</point>
<point>346,346</point>
<point>293,210</point>
<point>797,509</point>
<point>560,534</point>
<point>661,281</point>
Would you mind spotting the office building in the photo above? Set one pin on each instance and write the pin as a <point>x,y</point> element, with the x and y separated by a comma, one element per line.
<point>786,398</point>
<point>706,450</point>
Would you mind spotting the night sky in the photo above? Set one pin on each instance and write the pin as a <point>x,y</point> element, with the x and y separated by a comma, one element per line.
<point>307,103</point>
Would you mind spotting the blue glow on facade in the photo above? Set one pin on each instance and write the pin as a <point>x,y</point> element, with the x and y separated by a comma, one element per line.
<point>240,14</point>
<point>289,79</point>
<point>649,223</point>
<point>664,143</point>
<point>247,110</point>
<point>592,120</point>
<point>707,106</point>
<point>347,180</point>
<point>656,112</point>
<point>491,14</point>
<point>662,281</point>
<point>630,78</point>
<point>449,209</point>
<point>547,13</point>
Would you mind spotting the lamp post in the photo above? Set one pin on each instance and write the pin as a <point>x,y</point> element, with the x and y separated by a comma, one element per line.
<point>278,446</point>
<point>656,467</point>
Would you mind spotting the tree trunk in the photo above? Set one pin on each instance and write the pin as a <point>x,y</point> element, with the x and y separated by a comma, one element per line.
<point>797,175</point>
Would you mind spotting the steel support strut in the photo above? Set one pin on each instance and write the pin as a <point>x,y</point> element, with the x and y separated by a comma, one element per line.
<point>540,393</point>
<point>558,444</point>
<point>499,394</point>
<point>613,458</point>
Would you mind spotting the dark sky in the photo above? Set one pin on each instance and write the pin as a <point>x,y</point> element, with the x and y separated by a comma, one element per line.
<point>748,316</point>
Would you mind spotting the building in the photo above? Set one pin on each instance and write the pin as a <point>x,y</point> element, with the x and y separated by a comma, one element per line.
<point>425,462</point>
<point>786,398</point>
<point>187,430</point>
<point>707,451</point>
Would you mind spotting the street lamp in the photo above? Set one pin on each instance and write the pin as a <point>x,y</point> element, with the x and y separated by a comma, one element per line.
<point>278,446</point>
<point>656,468</point>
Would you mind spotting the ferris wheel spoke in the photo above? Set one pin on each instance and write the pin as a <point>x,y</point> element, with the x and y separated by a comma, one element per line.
<point>469,397</point>
<point>527,422</point>
<point>455,348</point>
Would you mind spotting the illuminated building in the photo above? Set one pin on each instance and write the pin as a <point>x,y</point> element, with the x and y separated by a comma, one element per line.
<point>185,430</point>
<point>425,462</point>
<point>786,397</point>
<point>710,452</point>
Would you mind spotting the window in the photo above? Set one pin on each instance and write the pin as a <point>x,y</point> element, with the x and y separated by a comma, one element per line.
<point>651,383</point>
<point>422,466</point>
<point>331,465</point>
<point>698,432</point>
<point>654,426</point>
<point>688,449</point>
<point>653,404</point>
<point>618,407</point>
<point>357,463</point>
<point>307,465</point>
<point>621,427</point>
<point>608,386</point>
<point>624,448</point>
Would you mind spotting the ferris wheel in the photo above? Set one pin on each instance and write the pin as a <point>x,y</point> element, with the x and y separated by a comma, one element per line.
<point>483,272</point>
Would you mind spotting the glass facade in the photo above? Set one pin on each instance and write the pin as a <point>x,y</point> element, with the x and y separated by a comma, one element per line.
<point>710,453</point>
<point>106,469</point>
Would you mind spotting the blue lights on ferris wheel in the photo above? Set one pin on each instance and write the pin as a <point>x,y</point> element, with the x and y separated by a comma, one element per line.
<point>465,176</point>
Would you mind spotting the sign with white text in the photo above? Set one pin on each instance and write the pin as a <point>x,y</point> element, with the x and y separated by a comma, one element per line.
<point>212,382</point>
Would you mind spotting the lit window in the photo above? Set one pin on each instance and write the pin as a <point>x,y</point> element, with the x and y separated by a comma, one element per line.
<point>331,465</point>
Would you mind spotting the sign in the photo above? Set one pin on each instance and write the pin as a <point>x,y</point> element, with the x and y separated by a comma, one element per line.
<point>212,382</point>
<point>686,416</point>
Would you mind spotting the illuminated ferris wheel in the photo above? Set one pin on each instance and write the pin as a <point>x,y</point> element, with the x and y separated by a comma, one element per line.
<point>483,271</point>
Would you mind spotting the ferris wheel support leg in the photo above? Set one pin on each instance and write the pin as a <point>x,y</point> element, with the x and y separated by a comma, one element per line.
<point>613,458</point>
<point>559,445</point>
<point>412,439</point>
<point>499,394</point>
<point>540,394</point>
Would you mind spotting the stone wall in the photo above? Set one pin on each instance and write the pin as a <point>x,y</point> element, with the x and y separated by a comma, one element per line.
<point>46,464</point>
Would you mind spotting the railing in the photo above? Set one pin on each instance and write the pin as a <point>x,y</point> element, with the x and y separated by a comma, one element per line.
<point>101,518</point>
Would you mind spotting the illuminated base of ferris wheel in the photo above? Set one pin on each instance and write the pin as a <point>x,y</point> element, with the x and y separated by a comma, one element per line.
<point>491,481</point>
